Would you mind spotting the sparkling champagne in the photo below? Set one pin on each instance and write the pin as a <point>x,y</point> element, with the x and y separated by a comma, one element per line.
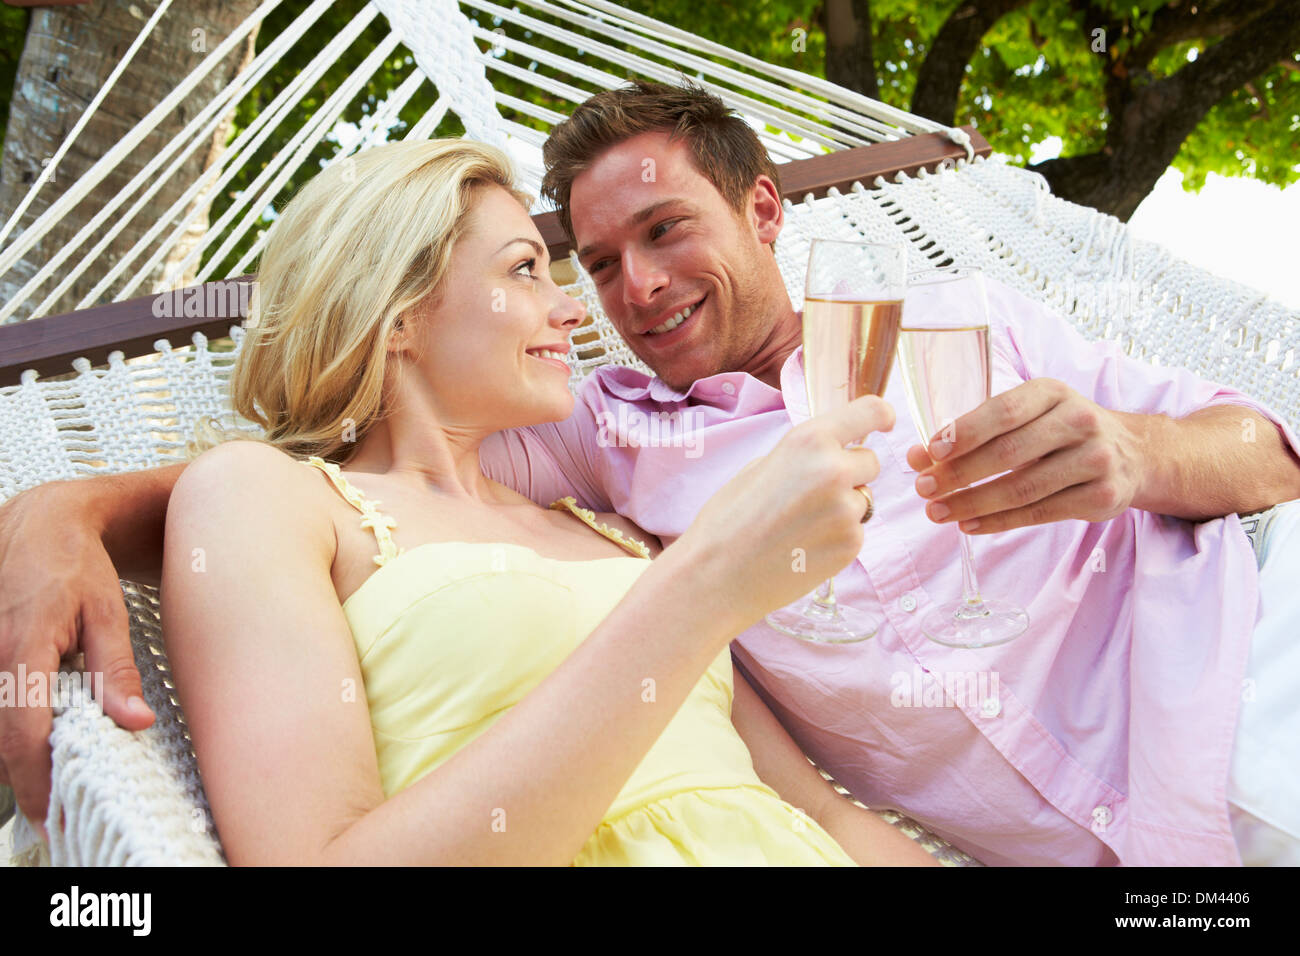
<point>947,373</point>
<point>867,332</point>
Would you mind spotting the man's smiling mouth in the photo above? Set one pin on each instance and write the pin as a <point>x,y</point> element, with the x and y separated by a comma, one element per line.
<point>677,319</point>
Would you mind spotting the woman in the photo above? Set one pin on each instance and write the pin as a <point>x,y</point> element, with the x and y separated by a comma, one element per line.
<point>511,685</point>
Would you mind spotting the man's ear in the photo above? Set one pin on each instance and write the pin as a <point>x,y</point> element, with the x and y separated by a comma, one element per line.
<point>766,211</point>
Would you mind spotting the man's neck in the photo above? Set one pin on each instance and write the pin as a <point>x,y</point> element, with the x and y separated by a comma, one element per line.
<point>766,364</point>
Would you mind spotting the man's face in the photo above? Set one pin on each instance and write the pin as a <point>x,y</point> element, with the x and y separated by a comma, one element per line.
<point>663,248</point>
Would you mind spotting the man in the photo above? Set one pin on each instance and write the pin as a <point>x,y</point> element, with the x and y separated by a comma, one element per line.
<point>1104,734</point>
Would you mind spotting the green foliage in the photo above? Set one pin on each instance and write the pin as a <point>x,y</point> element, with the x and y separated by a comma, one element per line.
<point>1036,76</point>
<point>1243,136</point>
<point>1039,76</point>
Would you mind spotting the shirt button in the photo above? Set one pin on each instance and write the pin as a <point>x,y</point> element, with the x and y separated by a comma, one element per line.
<point>907,603</point>
<point>1101,816</point>
<point>729,388</point>
<point>990,707</point>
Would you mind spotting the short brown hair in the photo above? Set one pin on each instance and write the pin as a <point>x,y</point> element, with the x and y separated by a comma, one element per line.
<point>723,147</point>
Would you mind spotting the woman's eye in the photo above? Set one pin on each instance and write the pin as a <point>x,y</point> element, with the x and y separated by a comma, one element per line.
<point>530,265</point>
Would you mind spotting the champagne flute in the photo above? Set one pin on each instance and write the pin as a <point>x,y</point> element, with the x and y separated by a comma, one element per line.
<point>943,351</point>
<point>853,304</point>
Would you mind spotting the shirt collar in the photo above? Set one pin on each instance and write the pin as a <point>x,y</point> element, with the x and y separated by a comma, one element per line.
<point>793,387</point>
<point>723,389</point>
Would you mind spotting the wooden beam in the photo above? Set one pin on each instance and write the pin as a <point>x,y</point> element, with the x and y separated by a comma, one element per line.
<point>131,326</point>
<point>49,345</point>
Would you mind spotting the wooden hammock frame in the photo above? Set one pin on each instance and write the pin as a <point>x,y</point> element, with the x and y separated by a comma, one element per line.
<point>48,345</point>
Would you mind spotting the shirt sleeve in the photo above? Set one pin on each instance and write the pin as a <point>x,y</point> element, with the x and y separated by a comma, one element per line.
<point>1039,343</point>
<point>551,461</point>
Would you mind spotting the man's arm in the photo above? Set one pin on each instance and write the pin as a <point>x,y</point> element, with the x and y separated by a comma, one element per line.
<point>1067,457</point>
<point>1216,461</point>
<point>130,512</point>
<point>63,546</point>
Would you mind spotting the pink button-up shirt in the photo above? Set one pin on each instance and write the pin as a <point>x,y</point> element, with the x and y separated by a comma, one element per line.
<point>1102,735</point>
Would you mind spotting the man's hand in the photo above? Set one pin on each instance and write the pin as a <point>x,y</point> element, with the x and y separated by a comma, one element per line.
<point>1067,457</point>
<point>59,595</point>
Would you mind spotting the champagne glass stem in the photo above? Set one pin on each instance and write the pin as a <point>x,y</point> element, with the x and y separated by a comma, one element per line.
<point>972,603</point>
<point>825,602</point>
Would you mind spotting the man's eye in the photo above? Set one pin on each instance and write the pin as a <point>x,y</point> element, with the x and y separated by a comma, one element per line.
<point>655,233</point>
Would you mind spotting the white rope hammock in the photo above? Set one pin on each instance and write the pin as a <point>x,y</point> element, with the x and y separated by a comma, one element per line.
<point>136,798</point>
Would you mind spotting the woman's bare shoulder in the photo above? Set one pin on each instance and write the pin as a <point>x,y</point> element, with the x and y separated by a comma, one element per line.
<point>238,461</point>
<point>238,470</point>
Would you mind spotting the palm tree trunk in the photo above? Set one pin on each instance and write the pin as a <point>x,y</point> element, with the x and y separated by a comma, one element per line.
<point>68,56</point>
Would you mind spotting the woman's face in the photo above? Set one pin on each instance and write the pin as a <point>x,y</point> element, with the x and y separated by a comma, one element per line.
<point>483,346</point>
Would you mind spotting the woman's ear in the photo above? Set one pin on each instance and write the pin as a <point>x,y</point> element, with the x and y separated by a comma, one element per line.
<point>397,338</point>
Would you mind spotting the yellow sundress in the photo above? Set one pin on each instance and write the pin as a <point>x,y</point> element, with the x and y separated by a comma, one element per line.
<point>450,635</point>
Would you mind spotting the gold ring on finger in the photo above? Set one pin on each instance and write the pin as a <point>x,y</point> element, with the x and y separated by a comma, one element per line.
<point>871,505</point>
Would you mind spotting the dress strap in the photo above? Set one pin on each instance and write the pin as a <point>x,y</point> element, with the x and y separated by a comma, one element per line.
<point>570,505</point>
<point>372,518</point>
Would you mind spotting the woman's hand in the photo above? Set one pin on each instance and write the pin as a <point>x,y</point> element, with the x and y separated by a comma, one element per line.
<point>792,518</point>
<point>59,595</point>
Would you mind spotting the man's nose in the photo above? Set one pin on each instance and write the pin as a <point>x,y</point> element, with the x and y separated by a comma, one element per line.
<point>642,280</point>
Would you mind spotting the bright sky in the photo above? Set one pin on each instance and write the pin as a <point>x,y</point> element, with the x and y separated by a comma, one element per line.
<point>1235,227</point>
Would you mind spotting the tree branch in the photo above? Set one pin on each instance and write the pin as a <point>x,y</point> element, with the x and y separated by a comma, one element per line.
<point>1174,106</point>
<point>1149,123</point>
<point>938,84</point>
<point>1174,24</point>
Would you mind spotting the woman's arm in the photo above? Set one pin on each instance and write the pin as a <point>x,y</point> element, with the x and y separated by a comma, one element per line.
<point>262,656</point>
<point>781,764</point>
<point>268,679</point>
<point>266,669</point>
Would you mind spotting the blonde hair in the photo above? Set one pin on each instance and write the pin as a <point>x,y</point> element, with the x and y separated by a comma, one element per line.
<point>364,241</point>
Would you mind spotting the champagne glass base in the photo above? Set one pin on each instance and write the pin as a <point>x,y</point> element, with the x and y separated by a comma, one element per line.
<point>811,621</point>
<point>958,624</point>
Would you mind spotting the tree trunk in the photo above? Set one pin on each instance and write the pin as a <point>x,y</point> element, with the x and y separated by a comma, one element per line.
<point>68,56</point>
<point>849,59</point>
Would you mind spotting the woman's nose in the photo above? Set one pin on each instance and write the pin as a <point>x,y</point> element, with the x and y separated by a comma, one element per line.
<point>569,312</point>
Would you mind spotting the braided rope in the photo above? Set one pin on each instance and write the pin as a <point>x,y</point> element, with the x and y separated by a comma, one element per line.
<point>238,153</point>
<point>439,37</point>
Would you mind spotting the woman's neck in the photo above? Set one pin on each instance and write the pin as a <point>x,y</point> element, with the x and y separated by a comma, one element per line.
<point>432,459</point>
<point>414,445</point>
